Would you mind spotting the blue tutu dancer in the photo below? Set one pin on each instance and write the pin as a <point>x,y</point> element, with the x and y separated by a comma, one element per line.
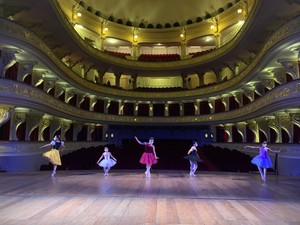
<point>107,162</point>
<point>262,161</point>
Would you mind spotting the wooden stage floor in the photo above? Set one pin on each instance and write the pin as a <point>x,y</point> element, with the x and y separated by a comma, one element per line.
<point>126,197</point>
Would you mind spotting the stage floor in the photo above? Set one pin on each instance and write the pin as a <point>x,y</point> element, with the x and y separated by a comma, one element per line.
<point>169,197</point>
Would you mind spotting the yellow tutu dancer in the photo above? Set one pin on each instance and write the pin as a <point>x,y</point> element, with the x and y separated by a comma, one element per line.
<point>53,155</point>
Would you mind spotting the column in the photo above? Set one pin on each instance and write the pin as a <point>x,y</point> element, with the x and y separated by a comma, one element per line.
<point>8,59</point>
<point>184,81</point>
<point>101,73</point>
<point>211,103</point>
<point>44,123</point>
<point>241,127</point>
<point>90,130</point>
<point>273,123</point>
<point>135,51</point>
<point>136,107</point>
<point>238,96</point>
<point>166,113</point>
<point>285,122</point>
<point>183,50</point>
<point>225,101</point>
<point>264,127</point>
<point>291,67</point>
<point>121,106</point>
<point>117,78</point>
<point>79,99</point>
<point>49,83</point>
<point>32,121</point>
<point>76,129</point>
<point>197,107</point>
<point>201,78</point>
<point>25,68</point>
<point>151,109</point>
<point>65,126</point>
<point>18,117</point>
<point>228,130</point>
<point>181,108</point>
<point>6,112</point>
<point>106,105</point>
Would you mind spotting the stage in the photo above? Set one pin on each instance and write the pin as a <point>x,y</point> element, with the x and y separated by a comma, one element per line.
<point>127,197</point>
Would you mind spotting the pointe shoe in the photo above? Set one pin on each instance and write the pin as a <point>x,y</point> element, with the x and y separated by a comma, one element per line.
<point>53,174</point>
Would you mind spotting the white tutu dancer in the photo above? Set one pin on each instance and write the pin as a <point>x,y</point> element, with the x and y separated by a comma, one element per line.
<point>107,162</point>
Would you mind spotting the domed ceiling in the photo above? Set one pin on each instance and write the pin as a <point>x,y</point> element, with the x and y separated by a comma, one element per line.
<point>157,11</point>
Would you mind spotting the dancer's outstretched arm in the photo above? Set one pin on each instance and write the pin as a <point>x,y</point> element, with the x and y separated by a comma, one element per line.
<point>138,141</point>
<point>249,146</point>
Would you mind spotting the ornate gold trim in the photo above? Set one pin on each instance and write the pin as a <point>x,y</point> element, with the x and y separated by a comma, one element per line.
<point>22,95</point>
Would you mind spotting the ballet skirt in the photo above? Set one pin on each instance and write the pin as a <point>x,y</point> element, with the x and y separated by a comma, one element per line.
<point>262,160</point>
<point>148,156</point>
<point>193,156</point>
<point>107,162</point>
<point>53,155</point>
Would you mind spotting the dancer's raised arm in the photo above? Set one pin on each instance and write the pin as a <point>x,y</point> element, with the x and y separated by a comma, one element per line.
<point>138,141</point>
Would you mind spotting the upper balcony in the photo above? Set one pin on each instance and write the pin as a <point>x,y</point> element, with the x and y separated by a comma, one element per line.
<point>156,50</point>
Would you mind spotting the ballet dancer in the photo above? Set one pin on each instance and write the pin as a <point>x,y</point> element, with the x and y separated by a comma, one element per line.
<point>149,156</point>
<point>53,155</point>
<point>193,157</point>
<point>107,162</point>
<point>262,161</point>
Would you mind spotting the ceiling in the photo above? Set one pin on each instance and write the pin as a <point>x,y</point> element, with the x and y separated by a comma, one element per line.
<point>156,11</point>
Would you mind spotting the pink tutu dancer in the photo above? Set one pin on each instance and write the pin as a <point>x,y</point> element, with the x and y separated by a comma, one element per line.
<point>149,156</point>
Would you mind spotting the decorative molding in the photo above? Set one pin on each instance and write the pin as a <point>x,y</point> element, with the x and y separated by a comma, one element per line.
<point>281,97</point>
<point>15,31</point>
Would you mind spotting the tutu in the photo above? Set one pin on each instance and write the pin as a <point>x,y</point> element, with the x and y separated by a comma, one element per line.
<point>262,161</point>
<point>193,157</point>
<point>53,156</point>
<point>148,158</point>
<point>107,163</point>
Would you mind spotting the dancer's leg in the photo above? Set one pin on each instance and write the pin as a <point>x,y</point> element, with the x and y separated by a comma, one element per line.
<point>104,170</point>
<point>265,174</point>
<point>261,172</point>
<point>107,169</point>
<point>148,168</point>
<point>54,170</point>
<point>191,168</point>
<point>195,167</point>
